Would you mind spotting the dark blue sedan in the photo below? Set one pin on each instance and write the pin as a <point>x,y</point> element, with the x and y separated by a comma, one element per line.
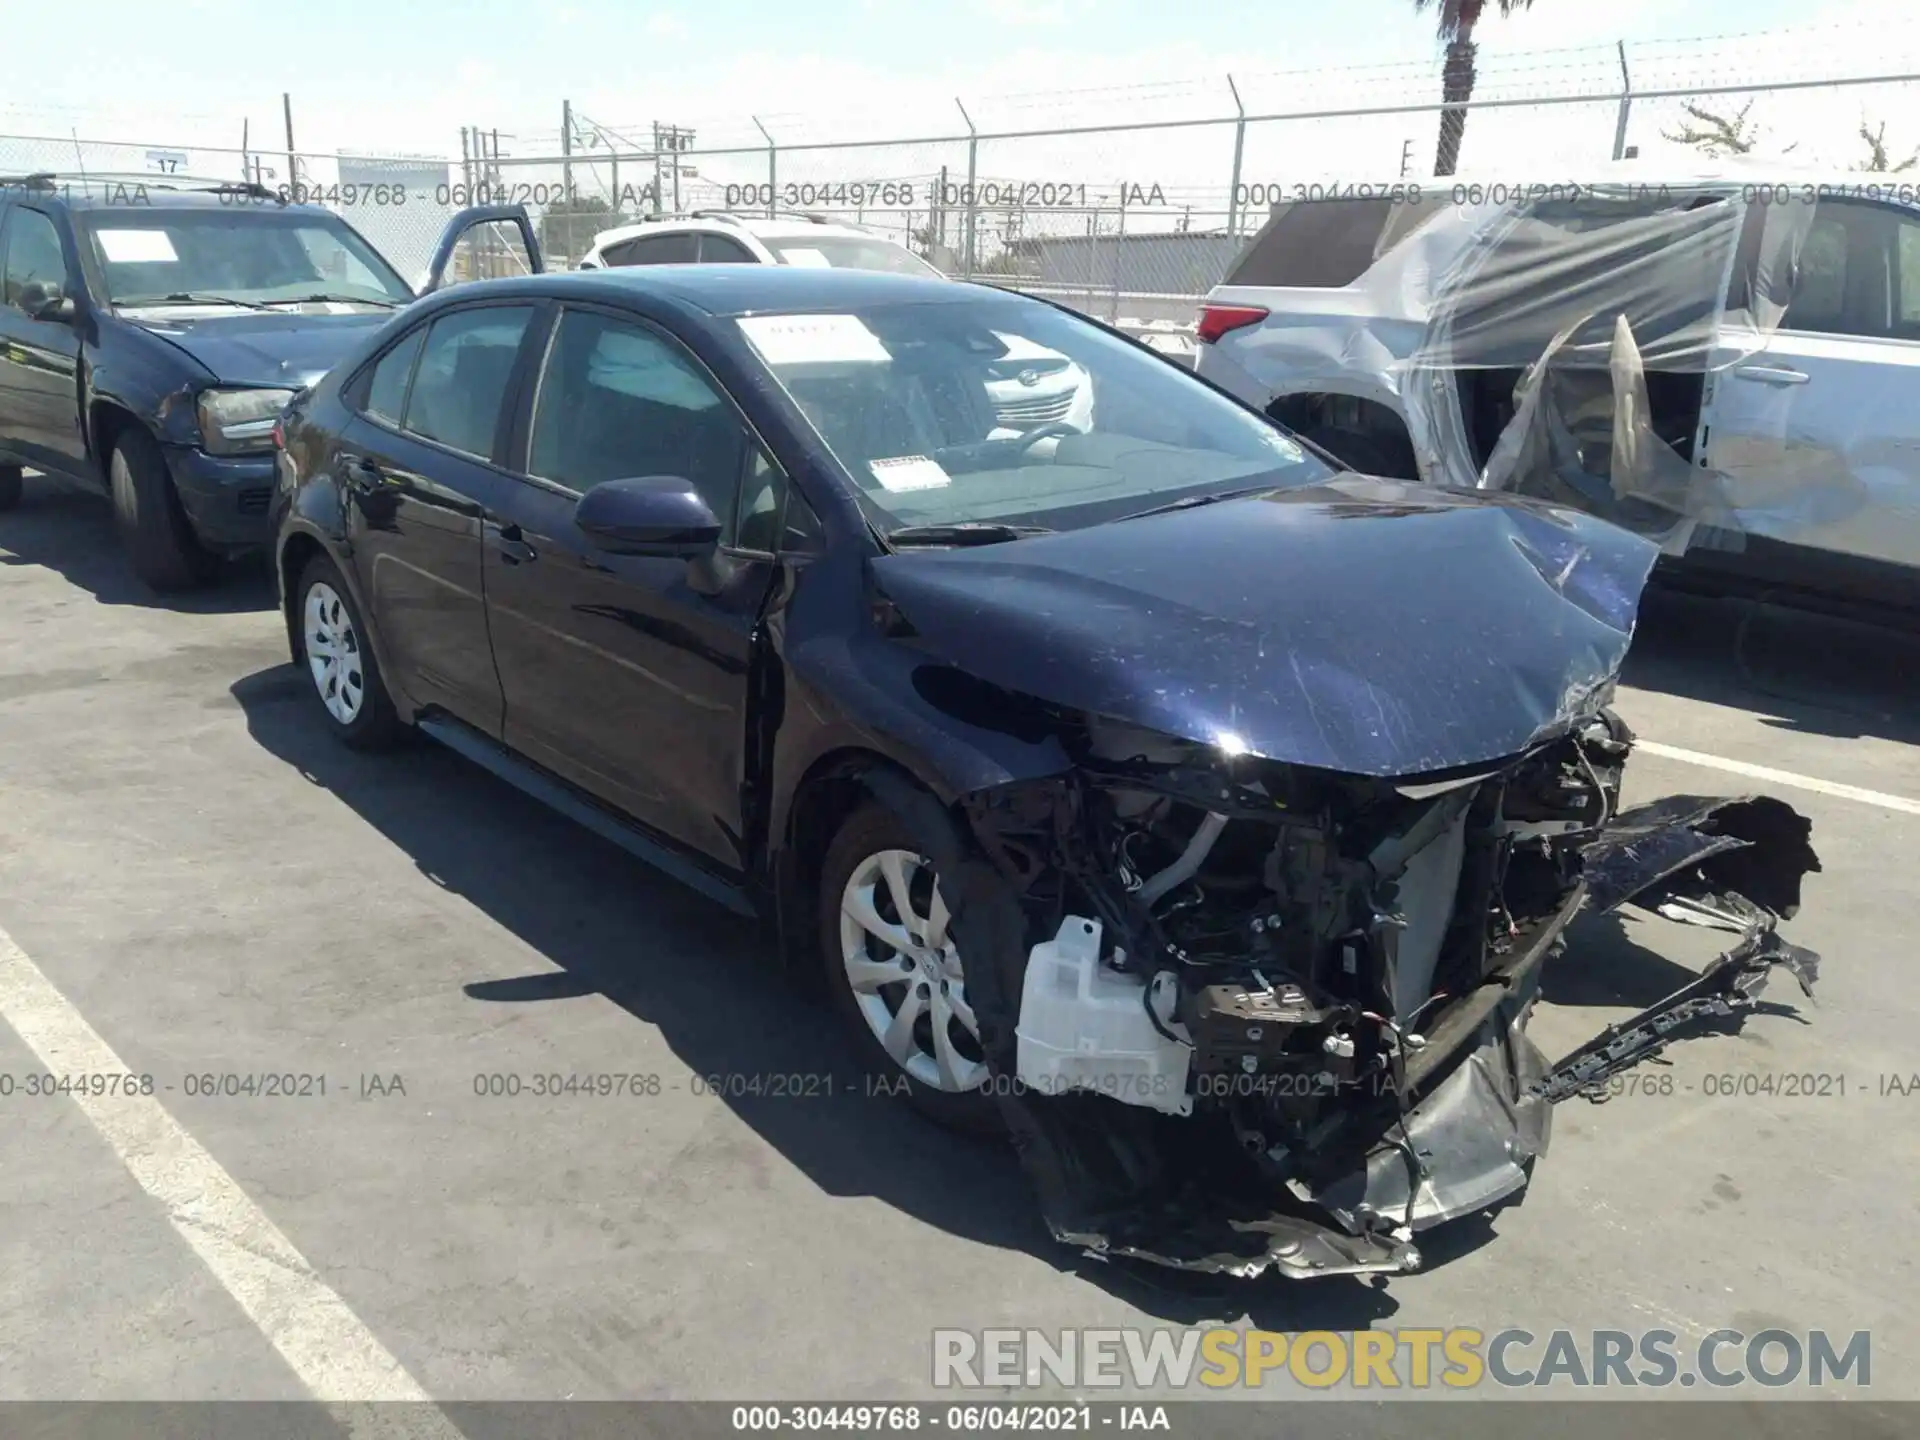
<point>1138,780</point>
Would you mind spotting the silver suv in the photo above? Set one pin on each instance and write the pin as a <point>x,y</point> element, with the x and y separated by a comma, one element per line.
<point>1728,362</point>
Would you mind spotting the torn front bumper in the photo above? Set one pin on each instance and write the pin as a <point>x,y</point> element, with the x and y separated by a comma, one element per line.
<point>1124,1182</point>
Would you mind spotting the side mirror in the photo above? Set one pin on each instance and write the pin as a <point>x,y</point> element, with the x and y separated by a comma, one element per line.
<point>649,515</point>
<point>44,300</point>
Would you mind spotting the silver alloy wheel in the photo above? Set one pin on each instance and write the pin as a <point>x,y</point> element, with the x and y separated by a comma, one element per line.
<point>333,653</point>
<point>905,971</point>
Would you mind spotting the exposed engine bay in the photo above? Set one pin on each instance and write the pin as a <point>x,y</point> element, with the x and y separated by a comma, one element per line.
<point>1280,1018</point>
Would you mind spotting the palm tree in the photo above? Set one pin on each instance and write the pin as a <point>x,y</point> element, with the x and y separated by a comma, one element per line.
<point>1456,21</point>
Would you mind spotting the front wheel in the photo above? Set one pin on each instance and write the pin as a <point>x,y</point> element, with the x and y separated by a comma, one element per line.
<point>153,526</point>
<point>346,676</point>
<point>895,974</point>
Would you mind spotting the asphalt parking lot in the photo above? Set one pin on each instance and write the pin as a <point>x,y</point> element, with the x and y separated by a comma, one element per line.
<point>215,888</point>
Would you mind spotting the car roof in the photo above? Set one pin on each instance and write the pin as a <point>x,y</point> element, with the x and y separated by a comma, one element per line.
<point>727,290</point>
<point>138,195</point>
<point>737,225</point>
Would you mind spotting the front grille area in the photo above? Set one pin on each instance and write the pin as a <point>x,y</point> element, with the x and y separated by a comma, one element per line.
<point>253,500</point>
<point>1035,412</point>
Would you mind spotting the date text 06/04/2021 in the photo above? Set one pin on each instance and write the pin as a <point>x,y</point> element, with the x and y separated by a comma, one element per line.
<point>956,1419</point>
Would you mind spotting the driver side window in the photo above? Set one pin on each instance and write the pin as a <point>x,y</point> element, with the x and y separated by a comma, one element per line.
<point>618,400</point>
<point>33,254</point>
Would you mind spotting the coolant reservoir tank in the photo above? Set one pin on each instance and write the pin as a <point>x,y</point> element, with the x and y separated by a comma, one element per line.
<point>1084,1026</point>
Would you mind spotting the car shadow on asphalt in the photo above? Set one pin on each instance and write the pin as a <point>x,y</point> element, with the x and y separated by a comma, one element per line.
<point>1798,670</point>
<point>713,986</point>
<point>71,532</point>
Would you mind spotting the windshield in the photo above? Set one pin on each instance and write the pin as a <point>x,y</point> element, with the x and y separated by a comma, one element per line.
<point>1009,411</point>
<point>843,252</point>
<point>240,253</point>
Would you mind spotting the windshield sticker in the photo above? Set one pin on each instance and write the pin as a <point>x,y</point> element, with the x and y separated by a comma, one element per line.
<point>813,340</point>
<point>807,259</point>
<point>136,247</point>
<point>1277,441</point>
<point>909,472</point>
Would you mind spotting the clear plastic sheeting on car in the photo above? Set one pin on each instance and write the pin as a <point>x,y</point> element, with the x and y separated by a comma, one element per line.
<point>1564,347</point>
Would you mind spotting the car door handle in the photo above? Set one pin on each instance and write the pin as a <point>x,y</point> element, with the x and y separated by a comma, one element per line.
<point>511,544</point>
<point>362,474</point>
<point>1772,374</point>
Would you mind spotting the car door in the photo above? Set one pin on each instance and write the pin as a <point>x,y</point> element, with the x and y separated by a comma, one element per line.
<point>417,462</point>
<point>1817,425</point>
<point>39,346</point>
<point>484,242</point>
<point>628,674</point>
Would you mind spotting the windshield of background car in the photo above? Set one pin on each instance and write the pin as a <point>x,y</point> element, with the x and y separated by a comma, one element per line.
<point>840,252</point>
<point>239,252</point>
<point>1012,411</point>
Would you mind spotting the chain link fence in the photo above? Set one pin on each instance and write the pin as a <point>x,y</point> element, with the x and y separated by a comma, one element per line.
<point>1132,221</point>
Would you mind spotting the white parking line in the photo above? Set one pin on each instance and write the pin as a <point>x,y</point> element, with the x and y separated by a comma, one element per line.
<point>1781,777</point>
<point>335,1356</point>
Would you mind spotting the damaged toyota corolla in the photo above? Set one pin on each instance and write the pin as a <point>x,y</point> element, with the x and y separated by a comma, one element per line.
<point>1199,814</point>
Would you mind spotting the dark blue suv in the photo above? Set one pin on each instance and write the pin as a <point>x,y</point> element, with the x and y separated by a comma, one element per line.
<point>151,330</point>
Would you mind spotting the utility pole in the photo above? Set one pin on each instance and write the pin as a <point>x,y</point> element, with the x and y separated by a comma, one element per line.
<point>1406,157</point>
<point>293,168</point>
<point>671,139</point>
<point>566,148</point>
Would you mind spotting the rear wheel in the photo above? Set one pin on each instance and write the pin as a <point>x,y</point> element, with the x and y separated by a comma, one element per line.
<point>12,482</point>
<point>1388,456</point>
<point>895,973</point>
<point>147,512</point>
<point>341,664</point>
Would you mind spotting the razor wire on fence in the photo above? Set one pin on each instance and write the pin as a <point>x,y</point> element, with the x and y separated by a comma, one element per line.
<point>1131,221</point>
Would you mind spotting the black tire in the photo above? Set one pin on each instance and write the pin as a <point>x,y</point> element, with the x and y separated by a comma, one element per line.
<point>375,725</point>
<point>154,528</point>
<point>1390,457</point>
<point>869,831</point>
<point>12,482</point>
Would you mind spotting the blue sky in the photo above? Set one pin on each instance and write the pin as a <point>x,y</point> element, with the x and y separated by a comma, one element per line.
<point>402,77</point>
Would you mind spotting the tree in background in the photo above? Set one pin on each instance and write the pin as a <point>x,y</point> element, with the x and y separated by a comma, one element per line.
<point>1877,151</point>
<point>1456,19</point>
<point>1713,134</point>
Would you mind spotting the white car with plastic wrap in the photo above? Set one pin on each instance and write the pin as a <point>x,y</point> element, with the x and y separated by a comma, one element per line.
<point>1725,361</point>
<point>1031,387</point>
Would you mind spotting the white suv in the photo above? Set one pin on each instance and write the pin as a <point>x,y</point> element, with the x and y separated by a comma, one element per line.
<point>1031,385</point>
<point>1725,361</point>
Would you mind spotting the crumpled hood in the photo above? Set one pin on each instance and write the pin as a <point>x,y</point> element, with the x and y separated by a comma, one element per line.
<point>1367,626</point>
<point>261,349</point>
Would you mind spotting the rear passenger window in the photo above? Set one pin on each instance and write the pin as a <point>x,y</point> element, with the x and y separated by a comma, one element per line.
<point>387,388</point>
<point>722,250</point>
<point>617,401</point>
<point>461,385</point>
<point>1314,244</point>
<point>678,249</point>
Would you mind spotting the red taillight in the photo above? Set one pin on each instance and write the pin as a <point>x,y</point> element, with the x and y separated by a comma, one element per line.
<point>1217,320</point>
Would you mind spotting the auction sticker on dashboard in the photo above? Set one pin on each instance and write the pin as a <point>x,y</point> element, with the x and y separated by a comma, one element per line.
<point>909,472</point>
<point>813,340</point>
<point>136,247</point>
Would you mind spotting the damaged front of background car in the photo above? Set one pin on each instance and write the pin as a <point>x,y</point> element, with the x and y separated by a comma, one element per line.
<point>1251,967</point>
<point>1661,352</point>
